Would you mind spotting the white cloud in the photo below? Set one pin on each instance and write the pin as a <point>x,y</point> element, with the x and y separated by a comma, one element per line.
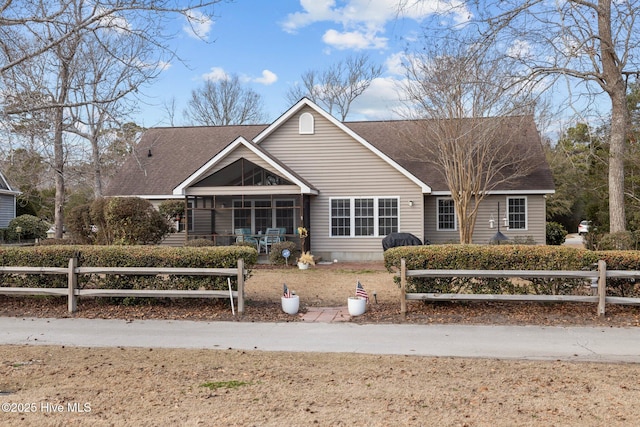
<point>354,40</point>
<point>314,11</point>
<point>216,74</point>
<point>198,25</point>
<point>368,18</point>
<point>520,49</point>
<point>381,101</point>
<point>395,63</point>
<point>268,78</point>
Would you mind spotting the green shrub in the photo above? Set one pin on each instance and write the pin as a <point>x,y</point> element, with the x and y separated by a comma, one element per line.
<point>172,208</point>
<point>57,242</point>
<point>621,260</point>
<point>490,257</point>
<point>31,228</point>
<point>80,225</point>
<point>556,233</point>
<point>134,221</point>
<point>275,253</point>
<point>200,242</point>
<point>620,241</point>
<point>130,256</point>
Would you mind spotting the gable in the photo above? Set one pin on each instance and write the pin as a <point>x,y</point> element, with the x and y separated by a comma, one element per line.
<point>306,129</point>
<point>236,150</point>
<point>242,172</point>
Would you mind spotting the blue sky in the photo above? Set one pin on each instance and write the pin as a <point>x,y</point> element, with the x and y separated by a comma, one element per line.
<point>269,44</point>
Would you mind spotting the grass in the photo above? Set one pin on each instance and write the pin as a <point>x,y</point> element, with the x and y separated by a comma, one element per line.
<point>214,385</point>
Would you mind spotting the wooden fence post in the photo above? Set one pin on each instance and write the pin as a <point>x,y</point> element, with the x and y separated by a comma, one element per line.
<point>240,287</point>
<point>72,281</point>
<point>602,286</point>
<point>403,287</point>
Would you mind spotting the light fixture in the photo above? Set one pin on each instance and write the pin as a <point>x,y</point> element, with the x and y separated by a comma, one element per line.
<point>410,202</point>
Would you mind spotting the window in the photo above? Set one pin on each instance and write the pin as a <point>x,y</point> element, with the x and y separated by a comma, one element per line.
<point>364,217</point>
<point>340,217</point>
<point>517,213</point>
<point>258,215</point>
<point>446,214</point>
<point>369,216</point>
<point>305,125</point>
<point>387,216</point>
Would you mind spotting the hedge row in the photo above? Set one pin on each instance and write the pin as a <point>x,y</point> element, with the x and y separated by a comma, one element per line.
<point>126,256</point>
<point>510,257</point>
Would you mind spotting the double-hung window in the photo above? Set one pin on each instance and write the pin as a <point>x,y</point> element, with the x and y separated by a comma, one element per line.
<point>446,215</point>
<point>364,216</point>
<point>517,213</point>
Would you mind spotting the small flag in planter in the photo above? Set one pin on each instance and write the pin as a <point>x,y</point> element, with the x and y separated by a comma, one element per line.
<point>286,293</point>
<point>360,292</point>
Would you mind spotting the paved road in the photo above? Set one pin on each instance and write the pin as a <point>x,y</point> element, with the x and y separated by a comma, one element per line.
<point>504,342</point>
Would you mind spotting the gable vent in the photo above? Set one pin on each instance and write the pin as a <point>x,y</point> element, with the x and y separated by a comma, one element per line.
<point>306,124</point>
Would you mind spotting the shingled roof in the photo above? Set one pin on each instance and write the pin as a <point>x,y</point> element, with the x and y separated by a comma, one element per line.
<point>397,139</point>
<point>165,157</point>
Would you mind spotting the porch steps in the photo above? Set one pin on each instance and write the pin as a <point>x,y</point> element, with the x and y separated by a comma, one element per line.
<point>175,239</point>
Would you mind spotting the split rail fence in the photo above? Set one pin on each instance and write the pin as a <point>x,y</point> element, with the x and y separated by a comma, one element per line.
<point>73,293</point>
<point>601,275</point>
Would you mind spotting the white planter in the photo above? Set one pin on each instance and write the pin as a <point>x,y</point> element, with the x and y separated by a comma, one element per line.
<point>303,266</point>
<point>290,305</point>
<point>356,305</point>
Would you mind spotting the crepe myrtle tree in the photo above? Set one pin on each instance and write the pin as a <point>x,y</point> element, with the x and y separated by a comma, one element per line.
<point>588,50</point>
<point>467,116</point>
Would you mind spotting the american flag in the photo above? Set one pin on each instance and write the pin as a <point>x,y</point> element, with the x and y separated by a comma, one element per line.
<point>360,292</point>
<point>286,293</point>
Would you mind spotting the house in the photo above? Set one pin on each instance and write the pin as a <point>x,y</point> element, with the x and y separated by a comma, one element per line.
<point>350,184</point>
<point>8,196</point>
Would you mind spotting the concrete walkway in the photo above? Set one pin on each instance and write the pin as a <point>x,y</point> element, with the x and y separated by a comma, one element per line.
<point>601,344</point>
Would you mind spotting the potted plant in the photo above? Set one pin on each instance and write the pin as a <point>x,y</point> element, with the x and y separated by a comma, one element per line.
<point>305,260</point>
<point>290,301</point>
<point>357,305</point>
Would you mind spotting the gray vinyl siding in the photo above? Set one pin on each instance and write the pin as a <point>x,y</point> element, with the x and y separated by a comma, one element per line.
<point>7,210</point>
<point>339,166</point>
<point>535,215</point>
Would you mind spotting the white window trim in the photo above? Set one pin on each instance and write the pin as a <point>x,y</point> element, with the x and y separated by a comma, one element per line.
<point>455,216</point>
<point>306,124</point>
<point>352,217</point>
<point>526,213</point>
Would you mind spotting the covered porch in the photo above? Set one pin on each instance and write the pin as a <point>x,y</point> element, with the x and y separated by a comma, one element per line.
<point>228,219</point>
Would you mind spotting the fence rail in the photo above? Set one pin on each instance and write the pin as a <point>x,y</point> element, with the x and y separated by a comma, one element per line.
<point>600,275</point>
<point>73,293</point>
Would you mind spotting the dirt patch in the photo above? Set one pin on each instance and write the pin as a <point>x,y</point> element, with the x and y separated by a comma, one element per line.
<point>54,386</point>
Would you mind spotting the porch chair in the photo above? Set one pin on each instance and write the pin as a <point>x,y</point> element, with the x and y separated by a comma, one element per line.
<point>271,236</point>
<point>244,235</point>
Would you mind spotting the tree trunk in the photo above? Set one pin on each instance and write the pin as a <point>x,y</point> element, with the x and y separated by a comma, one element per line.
<point>617,148</point>
<point>58,160</point>
<point>97,167</point>
<point>617,90</point>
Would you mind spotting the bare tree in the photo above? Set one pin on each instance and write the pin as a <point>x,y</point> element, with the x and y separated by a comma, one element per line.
<point>594,45</point>
<point>41,44</point>
<point>111,70</point>
<point>338,86</point>
<point>469,120</point>
<point>224,102</point>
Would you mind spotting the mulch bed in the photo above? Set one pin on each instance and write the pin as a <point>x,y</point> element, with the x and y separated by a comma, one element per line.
<point>493,313</point>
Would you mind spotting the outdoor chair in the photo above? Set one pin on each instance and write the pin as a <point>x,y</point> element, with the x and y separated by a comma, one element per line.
<point>244,235</point>
<point>271,236</point>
